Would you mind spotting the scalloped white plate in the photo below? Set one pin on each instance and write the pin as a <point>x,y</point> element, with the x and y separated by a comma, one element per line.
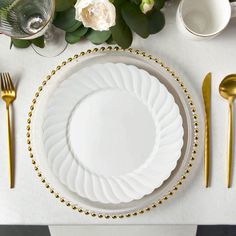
<point>112,133</point>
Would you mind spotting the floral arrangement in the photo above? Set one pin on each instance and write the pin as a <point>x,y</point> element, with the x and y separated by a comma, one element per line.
<point>101,21</point>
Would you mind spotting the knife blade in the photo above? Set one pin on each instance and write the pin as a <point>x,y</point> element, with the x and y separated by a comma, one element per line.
<point>206,92</point>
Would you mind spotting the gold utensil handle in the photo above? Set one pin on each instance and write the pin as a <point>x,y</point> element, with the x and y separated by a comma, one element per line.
<point>206,150</point>
<point>230,144</point>
<point>9,146</point>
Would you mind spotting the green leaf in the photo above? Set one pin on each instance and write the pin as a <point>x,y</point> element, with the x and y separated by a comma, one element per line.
<point>121,33</point>
<point>135,19</point>
<point>136,1</point>
<point>156,21</point>
<point>111,41</point>
<point>39,42</point>
<point>74,27</point>
<point>159,4</point>
<point>98,37</point>
<point>63,5</point>
<point>75,36</point>
<point>20,43</point>
<point>66,20</point>
<point>118,3</point>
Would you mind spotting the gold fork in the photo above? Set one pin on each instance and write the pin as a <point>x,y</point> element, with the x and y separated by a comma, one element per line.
<point>8,94</point>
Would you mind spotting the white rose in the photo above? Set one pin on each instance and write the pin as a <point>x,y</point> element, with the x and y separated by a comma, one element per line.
<point>146,5</point>
<point>96,14</point>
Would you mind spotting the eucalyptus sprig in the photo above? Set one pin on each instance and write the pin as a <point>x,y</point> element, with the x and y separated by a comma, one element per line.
<point>129,18</point>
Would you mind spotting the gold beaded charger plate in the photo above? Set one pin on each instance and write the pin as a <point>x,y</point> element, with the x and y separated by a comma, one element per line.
<point>182,96</point>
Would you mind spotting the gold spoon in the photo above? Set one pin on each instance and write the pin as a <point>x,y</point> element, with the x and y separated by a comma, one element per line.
<point>227,90</point>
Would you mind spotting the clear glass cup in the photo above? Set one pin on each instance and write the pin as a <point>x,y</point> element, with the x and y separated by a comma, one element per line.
<point>30,19</point>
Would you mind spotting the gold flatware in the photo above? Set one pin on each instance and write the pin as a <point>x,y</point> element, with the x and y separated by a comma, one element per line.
<point>206,92</point>
<point>8,94</point>
<point>227,90</point>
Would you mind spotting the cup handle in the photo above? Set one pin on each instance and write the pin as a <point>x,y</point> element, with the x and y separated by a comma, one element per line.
<point>233,9</point>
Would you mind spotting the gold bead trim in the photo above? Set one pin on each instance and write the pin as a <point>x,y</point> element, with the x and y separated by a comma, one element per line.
<point>194,122</point>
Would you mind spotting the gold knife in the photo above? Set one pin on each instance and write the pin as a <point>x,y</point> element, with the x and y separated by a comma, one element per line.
<point>206,92</point>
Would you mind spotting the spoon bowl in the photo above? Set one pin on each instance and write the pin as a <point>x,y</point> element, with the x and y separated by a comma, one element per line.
<point>227,87</point>
<point>227,90</point>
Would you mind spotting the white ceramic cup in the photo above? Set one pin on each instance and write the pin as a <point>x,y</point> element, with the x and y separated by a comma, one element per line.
<point>204,19</point>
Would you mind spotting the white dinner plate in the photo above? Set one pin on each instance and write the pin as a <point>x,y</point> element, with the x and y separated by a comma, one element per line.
<point>97,105</point>
<point>112,133</point>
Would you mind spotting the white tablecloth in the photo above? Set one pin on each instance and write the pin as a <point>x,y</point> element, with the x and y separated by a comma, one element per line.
<point>30,203</point>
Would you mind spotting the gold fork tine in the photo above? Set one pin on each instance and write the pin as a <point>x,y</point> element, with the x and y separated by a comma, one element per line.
<point>5,82</point>
<point>11,86</point>
<point>2,86</point>
<point>8,82</point>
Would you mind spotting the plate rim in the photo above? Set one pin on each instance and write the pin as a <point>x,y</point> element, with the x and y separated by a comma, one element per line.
<point>194,121</point>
